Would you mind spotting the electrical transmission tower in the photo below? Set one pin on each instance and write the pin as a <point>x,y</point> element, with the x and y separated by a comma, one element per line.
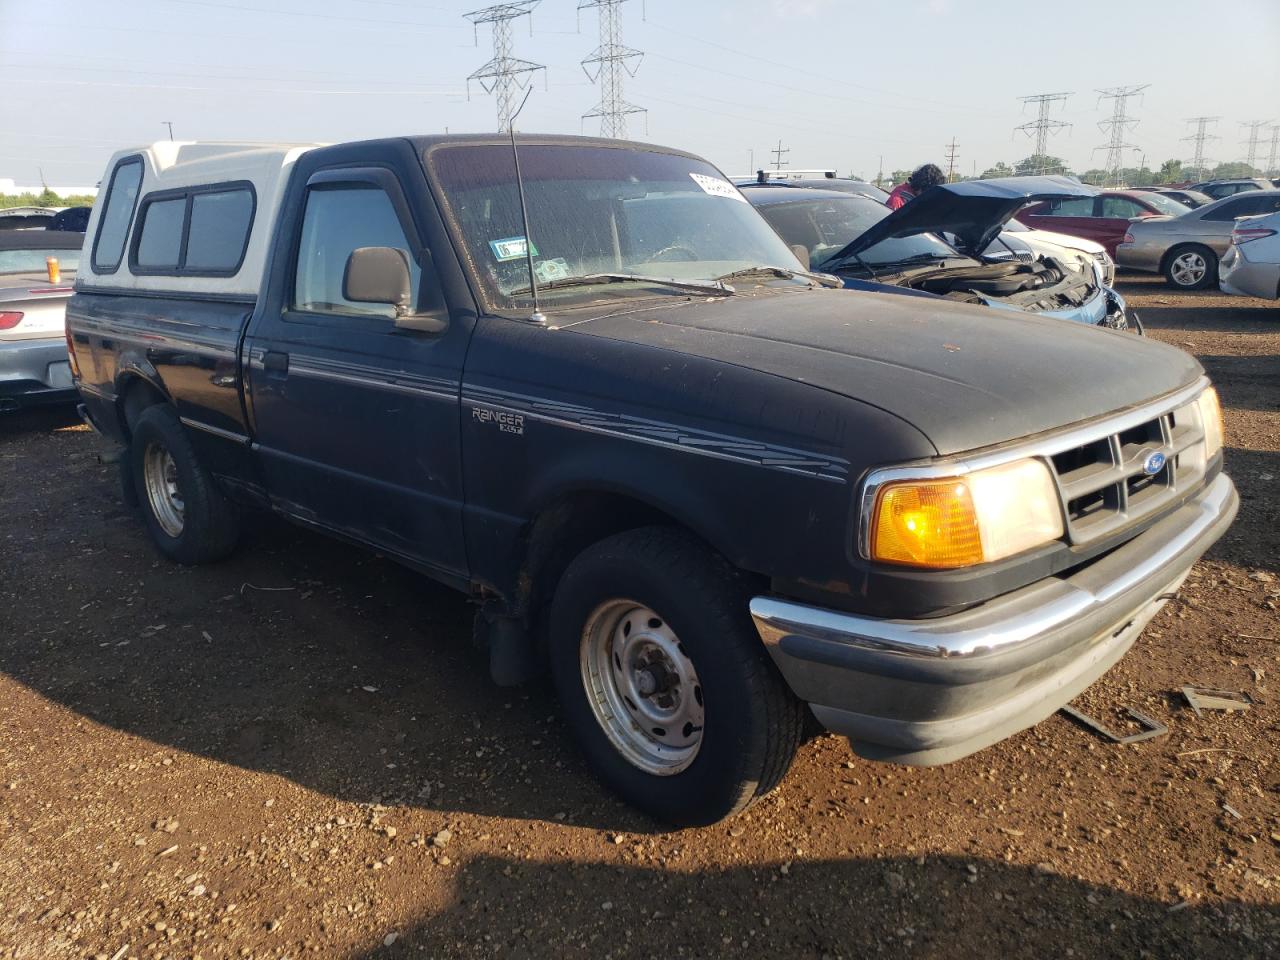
<point>504,74</point>
<point>1119,125</point>
<point>778,154</point>
<point>611,61</point>
<point>1041,127</point>
<point>1200,138</point>
<point>1272,169</point>
<point>952,152</point>
<point>1254,127</point>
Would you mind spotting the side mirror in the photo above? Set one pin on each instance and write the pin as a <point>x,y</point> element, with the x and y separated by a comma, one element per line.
<point>381,275</point>
<point>377,275</point>
<point>802,254</point>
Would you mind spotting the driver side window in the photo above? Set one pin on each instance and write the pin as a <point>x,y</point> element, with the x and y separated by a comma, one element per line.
<point>338,220</point>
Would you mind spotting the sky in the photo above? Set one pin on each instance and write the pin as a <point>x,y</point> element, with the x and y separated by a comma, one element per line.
<point>840,83</point>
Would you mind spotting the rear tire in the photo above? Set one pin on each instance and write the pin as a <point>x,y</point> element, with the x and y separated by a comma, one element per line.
<point>1191,267</point>
<point>664,681</point>
<point>187,516</point>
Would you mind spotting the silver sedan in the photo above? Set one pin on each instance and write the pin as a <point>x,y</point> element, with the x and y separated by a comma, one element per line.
<point>37,270</point>
<point>1251,267</point>
<point>1187,248</point>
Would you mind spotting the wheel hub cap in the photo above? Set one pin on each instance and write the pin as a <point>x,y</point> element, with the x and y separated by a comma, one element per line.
<point>642,687</point>
<point>160,476</point>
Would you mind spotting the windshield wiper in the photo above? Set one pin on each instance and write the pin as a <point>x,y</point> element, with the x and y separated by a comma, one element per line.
<point>714,287</point>
<point>926,258</point>
<point>783,273</point>
<point>836,264</point>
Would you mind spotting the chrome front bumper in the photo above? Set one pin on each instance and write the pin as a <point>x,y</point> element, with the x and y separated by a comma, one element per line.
<point>931,691</point>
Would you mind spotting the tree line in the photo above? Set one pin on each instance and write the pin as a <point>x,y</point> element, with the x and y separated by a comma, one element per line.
<point>46,198</point>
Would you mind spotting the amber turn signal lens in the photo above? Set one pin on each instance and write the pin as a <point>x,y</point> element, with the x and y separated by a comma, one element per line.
<point>928,523</point>
<point>54,269</point>
<point>957,521</point>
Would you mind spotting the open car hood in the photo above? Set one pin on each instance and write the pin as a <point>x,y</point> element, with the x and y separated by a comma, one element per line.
<point>972,212</point>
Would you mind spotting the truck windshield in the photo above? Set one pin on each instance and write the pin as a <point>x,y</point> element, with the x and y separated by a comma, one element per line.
<point>600,212</point>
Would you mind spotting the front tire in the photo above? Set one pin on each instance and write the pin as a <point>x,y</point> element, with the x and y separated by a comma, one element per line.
<point>664,681</point>
<point>1191,267</point>
<point>187,516</point>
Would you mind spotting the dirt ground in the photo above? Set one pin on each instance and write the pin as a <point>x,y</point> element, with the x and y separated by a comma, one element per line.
<point>298,753</point>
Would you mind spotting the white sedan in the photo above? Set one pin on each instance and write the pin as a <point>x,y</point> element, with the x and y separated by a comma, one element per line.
<point>1048,243</point>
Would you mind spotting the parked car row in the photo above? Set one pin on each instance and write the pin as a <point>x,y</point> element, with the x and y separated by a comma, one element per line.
<point>44,218</point>
<point>1187,248</point>
<point>1220,189</point>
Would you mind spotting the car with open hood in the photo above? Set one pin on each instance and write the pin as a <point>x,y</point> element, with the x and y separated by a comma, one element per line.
<point>939,244</point>
<point>715,496</point>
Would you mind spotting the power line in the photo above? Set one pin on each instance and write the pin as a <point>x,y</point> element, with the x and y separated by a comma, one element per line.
<point>1253,126</point>
<point>504,74</point>
<point>1202,136</point>
<point>778,154</point>
<point>612,61</point>
<point>1042,126</point>
<point>1119,125</point>
<point>952,153</point>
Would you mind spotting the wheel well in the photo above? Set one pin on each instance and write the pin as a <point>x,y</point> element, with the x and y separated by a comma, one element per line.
<point>565,528</point>
<point>135,396</point>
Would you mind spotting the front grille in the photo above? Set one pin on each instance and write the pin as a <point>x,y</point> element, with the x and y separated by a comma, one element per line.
<point>1117,478</point>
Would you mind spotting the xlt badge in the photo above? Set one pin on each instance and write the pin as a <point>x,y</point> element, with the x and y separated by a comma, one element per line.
<point>507,422</point>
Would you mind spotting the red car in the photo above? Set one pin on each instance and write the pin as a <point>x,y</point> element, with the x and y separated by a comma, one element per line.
<point>1103,218</point>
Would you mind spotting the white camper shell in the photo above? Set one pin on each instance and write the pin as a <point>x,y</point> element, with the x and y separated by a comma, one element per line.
<point>187,217</point>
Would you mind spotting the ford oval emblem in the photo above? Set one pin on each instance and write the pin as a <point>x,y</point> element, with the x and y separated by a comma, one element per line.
<point>1153,464</point>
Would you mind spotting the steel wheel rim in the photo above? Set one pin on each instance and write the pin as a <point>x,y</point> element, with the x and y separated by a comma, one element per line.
<point>160,476</point>
<point>1189,268</point>
<point>642,687</point>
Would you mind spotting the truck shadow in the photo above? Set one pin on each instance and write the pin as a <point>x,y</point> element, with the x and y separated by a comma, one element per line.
<point>935,907</point>
<point>305,658</point>
<point>39,420</point>
<point>299,656</point>
<point>1256,474</point>
<point>1250,382</point>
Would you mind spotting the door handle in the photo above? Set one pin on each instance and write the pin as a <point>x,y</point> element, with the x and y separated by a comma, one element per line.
<point>274,361</point>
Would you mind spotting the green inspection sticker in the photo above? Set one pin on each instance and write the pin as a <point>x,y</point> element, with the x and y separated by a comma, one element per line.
<point>512,248</point>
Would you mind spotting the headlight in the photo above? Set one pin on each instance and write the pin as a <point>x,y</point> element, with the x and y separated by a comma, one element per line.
<point>974,518</point>
<point>1210,422</point>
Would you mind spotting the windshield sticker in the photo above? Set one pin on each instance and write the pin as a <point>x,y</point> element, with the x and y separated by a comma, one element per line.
<point>713,186</point>
<point>556,268</point>
<point>512,248</point>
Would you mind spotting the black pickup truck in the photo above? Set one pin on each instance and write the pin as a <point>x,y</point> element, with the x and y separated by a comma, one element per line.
<point>711,496</point>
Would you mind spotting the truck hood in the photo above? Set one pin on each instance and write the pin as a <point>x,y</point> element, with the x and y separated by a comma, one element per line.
<point>972,212</point>
<point>965,376</point>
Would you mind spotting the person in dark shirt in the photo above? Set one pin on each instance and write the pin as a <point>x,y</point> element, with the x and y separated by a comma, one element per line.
<point>930,175</point>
